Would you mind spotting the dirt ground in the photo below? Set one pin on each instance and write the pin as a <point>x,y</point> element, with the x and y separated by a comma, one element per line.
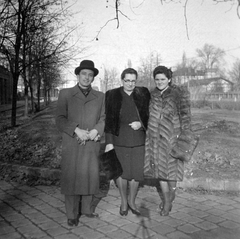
<point>218,152</point>
<point>37,142</point>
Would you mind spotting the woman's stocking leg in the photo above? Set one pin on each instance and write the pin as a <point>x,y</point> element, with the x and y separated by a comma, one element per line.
<point>172,188</point>
<point>122,187</point>
<point>167,206</point>
<point>133,188</point>
<point>160,193</point>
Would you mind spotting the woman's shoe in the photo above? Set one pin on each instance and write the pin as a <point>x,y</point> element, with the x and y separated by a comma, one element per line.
<point>165,211</point>
<point>134,211</point>
<point>123,212</point>
<point>161,207</point>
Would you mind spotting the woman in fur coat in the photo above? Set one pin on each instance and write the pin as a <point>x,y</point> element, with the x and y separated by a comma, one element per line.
<point>125,127</point>
<point>169,116</point>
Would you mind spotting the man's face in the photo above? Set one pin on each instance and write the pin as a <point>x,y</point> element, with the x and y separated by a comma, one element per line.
<point>85,78</point>
<point>129,82</point>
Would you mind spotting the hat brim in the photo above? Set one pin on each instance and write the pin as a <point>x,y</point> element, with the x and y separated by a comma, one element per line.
<point>78,69</point>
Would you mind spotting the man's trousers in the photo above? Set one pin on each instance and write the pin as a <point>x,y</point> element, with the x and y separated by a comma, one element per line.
<point>73,203</point>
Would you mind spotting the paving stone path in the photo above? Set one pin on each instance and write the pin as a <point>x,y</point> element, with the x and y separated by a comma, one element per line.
<point>38,212</point>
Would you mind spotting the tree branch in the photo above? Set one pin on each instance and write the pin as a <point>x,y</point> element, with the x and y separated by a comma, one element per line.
<point>238,7</point>
<point>233,1</point>
<point>117,12</point>
<point>113,19</point>
<point>185,16</point>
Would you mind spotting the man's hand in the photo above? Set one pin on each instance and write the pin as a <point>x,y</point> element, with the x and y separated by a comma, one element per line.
<point>82,134</point>
<point>97,138</point>
<point>93,134</point>
<point>136,125</point>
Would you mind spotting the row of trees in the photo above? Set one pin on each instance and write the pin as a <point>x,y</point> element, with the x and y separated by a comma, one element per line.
<point>33,45</point>
<point>208,59</point>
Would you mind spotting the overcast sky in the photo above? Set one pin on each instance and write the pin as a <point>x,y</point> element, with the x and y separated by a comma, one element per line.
<point>153,27</point>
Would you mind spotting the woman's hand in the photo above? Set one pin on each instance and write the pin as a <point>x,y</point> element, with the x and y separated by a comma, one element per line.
<point>136,125</point>
<point>108,147</point>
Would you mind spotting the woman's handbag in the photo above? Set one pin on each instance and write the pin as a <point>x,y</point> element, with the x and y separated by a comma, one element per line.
<point>185,145</point>
<point>111,165</point>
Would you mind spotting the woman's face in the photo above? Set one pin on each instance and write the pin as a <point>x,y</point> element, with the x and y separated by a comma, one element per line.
<point>161,81</point>
<point>129,82</point>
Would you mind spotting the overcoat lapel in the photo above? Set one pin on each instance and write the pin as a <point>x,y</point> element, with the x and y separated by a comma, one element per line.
<point>77,93</point>
<point>91,96</point>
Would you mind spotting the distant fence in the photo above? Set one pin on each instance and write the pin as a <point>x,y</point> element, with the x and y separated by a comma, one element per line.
<point>228,96</point>
<point>217,96</point>
<point>223,104</point>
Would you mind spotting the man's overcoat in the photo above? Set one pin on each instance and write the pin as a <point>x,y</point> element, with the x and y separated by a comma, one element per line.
<point>79,165</point>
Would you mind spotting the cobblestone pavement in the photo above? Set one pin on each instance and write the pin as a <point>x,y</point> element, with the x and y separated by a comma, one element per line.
<point>38,212</point>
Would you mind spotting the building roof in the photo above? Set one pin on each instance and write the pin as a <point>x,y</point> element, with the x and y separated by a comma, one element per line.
<point>188,72</point>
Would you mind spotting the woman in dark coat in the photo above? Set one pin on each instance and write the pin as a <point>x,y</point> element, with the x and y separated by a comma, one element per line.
<point>169,116</point>
<point>125,126</point>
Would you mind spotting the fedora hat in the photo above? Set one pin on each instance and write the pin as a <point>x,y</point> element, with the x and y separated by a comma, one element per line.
<point>86,64</point>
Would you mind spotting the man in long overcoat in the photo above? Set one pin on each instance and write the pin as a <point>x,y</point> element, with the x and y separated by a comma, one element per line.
<point>80,116</point>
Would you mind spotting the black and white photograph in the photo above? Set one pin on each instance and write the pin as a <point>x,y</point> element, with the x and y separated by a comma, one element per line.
<point>120,119</point>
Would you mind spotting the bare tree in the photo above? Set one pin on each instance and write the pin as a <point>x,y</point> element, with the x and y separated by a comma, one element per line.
<point>210,57</point>
<point>50,76</point>
<point>183,70</point>
<point>235,74</point>
<point>112,80</point>
<point>145,70</point>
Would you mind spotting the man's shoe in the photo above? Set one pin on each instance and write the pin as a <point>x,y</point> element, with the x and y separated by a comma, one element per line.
<point>72,222</point>
<point>91,215</point>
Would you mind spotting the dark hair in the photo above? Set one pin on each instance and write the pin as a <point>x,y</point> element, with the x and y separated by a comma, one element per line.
<point>163,70</point>
<point>129,71</point>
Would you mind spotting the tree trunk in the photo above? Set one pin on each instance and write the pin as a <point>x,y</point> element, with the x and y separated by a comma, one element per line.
<point>14,101</point>
<point>38,96</point>
<point>38,88</point>
<point>32,100</point>
<point>49,96</point>
<point>26,100</point>
<point>45,95</point>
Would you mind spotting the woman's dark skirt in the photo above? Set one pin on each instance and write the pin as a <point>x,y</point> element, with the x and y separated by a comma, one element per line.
<point>132,161</point>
